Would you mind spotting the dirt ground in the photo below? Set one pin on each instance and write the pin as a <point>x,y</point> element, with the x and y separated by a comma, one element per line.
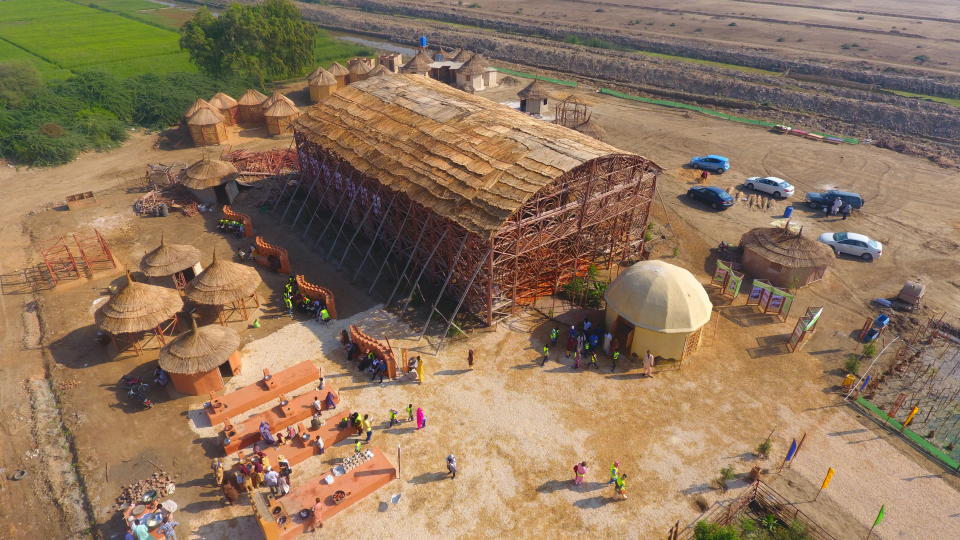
<point>515,434</point>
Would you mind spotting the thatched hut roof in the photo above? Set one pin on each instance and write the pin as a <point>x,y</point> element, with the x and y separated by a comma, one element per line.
<point>199,105</point>
<point>476,65</point>
<point>360,67</point>
<point>223,101</point>
<point>379,70</point>
<point>787,248</point>
<point>534,90</point>
<point>168,259</point>
<point>593,129</point>
<point>223,282</point>
<point>138,307</point>
<point>322,77</point>
<point>281,108</point>
<point>337,70</point>
<point>205,117</point>
<point>277,96</point>
<point>199,350</point>
<point>449,55</point>
<point>251,97</point>
<point>208,173</point>
<point>418,65</point>
<point>463,56</point>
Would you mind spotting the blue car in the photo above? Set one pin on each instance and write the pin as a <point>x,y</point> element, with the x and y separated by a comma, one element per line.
<point>717,198</point>
<point>712,163</point>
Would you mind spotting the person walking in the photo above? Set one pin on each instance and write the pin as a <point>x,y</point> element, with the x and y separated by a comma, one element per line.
<point>283,486</point>
<point>593,362</point>
<point>648,362</point>
<point>167,529</point>
<point>393,418</point>
<point>554,336</point>
<point>546,355</point>
<point>620,486</point>
<point>410,412</point>
<point>835,209</point>
<point>452,466</point>
<point>367,426</point>
<point>576,359</point>
<point>217,467</point>
<point>579,471</point>
<point>357,446</point>
<point>615,356</point>
<point>315,514</point>
<point>470,359</point>
<point>845,210</point>
<point>614,472</point>
<point>571,342</point>
<point>421,419</point>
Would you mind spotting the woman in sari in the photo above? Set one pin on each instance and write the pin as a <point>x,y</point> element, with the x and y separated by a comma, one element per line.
<point>421,419</point>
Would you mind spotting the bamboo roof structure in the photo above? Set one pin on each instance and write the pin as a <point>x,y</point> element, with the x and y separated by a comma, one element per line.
<point>199,350</point>
<point>223,282</point>
<point>337,70</point>
<point>534,90</point>
<point>199,105</point>
<point>476,65</point>
<point>322,77</point>
<point>138,307</point>
<point>463,56</point>
<point>223,101</point>
<point>205,117</point>
<point>418,65</point>
<point>281,108</point>
<point>787,248</point>
<point>208,173</point>
<point>592,129</point>
<point>251,97</point>
<point>464,157</point>
<point>168,259</point>
<point>277,96</point>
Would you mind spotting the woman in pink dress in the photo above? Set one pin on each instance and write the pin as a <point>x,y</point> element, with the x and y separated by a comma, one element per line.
<point>421,419</point>
<point>579,471</point>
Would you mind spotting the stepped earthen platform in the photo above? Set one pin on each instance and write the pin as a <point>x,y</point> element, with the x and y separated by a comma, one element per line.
<point>247,432</point>
<point>279,518</point>
<point>249,397</point>
<point>296,452</point>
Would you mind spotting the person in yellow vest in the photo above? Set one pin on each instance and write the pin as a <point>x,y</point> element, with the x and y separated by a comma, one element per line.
<point>614,472</point>
<point>323,316</point>
<point>620,486</point>
<point>615,356</point>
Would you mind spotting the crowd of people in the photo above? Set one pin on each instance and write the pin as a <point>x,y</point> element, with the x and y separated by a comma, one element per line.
<point>583,346</point>
<point>293,298</point>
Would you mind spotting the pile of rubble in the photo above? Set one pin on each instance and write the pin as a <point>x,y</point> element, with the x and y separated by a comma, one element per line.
<point>174,196</point>
<point>271,162</point>
<point>161,482</point>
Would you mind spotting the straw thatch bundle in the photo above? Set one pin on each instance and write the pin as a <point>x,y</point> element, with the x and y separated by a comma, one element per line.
<point>534,90</point>
<point>449,55</point>
<point>249,106</point>
<point>168,259</point>
<point>787,248</point>
<point>208,173</point>
<point>340,72</point>
<point>199,350</point>
<point>418,65</point>
<point>279,117</point>
<point>207,127</point>
<point>227,107</point>
<point>222,283</point>
<point>138,307</point>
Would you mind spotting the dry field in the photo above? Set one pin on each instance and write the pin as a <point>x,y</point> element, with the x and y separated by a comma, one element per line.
<point>516,428</point>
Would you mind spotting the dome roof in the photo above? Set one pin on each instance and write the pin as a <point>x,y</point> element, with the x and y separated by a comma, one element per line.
<point>661,297</point>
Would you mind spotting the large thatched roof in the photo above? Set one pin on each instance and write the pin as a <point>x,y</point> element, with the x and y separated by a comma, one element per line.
<point>360,67</point>
<point>204,117</point>
<point>464,157</point>
<point>251,97</point>
<point>418,65</point>
<point>787,248</point>
<point>208,173</point>
<point>138,307</point>
<point>463,56</point>
<point>199,350</point>
<point>282,108</point>
<point>337,70</point>
<point>534,90</point>
<point>223,282</point>
<point>168,259</point>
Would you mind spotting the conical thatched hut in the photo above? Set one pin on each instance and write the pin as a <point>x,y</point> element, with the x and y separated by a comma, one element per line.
<point>279,116</point>
<point>136,309</point>
<point>197,105</point>
<point>533,97</point>
<point>179,261</point>
<point>211,181</point>
<point>463,55</point>
<point>471,73</point>
<point>225,284</point>
<point>207,127</point>
<point>340,72</point>
<point>275,97</point>
<point>783,257</point>
<point>227,107</point>
<point>359,70</point>
<point>249,106</point>
<point>196,358</point>
<point>322,85</point>
<point>379,71</point>
<point>418,65</point>
<point>593,129</point>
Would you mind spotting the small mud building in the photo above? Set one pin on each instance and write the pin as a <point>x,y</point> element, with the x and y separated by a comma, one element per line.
<point>461,198</point>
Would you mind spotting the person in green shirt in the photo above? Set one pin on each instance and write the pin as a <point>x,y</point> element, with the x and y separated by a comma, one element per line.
<point>615,357</point>
<point>393,417</point>
<point>614,472</point>
<point>620,486</point>
<point>546,355</point>
<point>410,412</point>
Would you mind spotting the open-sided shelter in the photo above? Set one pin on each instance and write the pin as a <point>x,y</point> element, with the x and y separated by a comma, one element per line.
<point>340,72</point>
<point>321,84</point>
<point>207,127</point>
<point>656,306</point>
<point>138,309</point>
<point>227,107</point>
<point>783,257</point>
<point>492,207</point>
<point>533,97</point>
<point>198,358</point>
<point>181,262</point>
<point>211,181</point>
<point>226,285</point>
<point>250,106</point>
<point>279,116</point>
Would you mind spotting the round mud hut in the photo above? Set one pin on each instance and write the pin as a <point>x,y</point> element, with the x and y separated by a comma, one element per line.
<point>359,70</point>
<point>279,116</point>
<point>138,309</point>
<point>178,261</point>
<point>340,72</point>
<point>227,286</point>
<point>783,257</point>
<point>533,97</point>
<point>321,84</point>
<point>227,107</point>
<point>418,65</point>
<point>656,306</point>
<point>207,127</point>
<point>198,359</point>
<point>249,107</point>
<point>211,181</point>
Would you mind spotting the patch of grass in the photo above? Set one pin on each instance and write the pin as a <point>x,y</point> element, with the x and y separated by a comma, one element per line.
<point>950,101</point>
<point>707,62</point>
<point>10,52</point>
<point>852,364</point>
<point>329,50</point>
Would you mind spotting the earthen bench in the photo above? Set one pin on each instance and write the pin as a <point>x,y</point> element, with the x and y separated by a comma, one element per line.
<point>247,432</point>
<point>317,292</point>
<point>242,218</point>
<point>269,387</point>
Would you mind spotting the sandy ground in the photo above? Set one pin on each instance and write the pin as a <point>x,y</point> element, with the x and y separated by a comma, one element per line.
<point>517,429</point>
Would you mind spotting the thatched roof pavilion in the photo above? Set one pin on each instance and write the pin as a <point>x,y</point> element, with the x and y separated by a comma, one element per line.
<point>138,307</point>
<point>783,257</point>
<point>249,106</point>
<point>322,83</point>
<point>207,127</point>
<point>279,116</point>
<point>224,283</point>
<point>227,107</point>
<point>340,72</point>
<point>476,65</point>
<point>193,358</point>
<point>171,260</point>
<point>533,97</point>
<point>418,65</point>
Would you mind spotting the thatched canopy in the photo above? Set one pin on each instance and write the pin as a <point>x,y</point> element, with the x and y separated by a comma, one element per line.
<point>337,70</point>
<point>208,173</point>
<point>787,248</point>
<point>593,129</point>
<point>223,101</point>
<point>138,307</point>
<point>199,105</point>
<point>251,97</point>
<point>168,259</point>
<point>534,90</point>
<point>322,77</point>
<point>418,65</point>
<point>222,283</point>
<point>463,56</point>
<point>476,65</point>
<point>281,108</point>
<point>199,350</point>
<point>277,96</point>
<point>205,117</point>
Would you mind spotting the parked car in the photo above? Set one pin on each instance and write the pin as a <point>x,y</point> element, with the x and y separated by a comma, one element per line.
<point>713,163</point>
<point>778,187</point>
<point>849,243</point>
<point>717,198</point>
<point>824,200</point>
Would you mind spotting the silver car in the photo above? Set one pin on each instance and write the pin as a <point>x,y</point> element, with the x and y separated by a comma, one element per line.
<point>855,244</point>
<point>778,187</point>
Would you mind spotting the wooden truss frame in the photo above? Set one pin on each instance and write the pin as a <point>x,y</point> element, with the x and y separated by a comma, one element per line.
<point>139,341</point>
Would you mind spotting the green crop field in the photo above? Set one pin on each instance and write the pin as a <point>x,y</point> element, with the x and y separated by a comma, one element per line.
<point>9,51</point>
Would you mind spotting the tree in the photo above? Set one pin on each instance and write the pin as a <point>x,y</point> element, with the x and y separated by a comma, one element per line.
<point>18,80</point>
<point>265,41</point>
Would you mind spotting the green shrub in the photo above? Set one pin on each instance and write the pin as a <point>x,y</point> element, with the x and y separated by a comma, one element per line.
<point>712,531</point>
<point>763,449</point>
<point>852,364</point>
<point>870,349</point>
<point>587,290</point>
